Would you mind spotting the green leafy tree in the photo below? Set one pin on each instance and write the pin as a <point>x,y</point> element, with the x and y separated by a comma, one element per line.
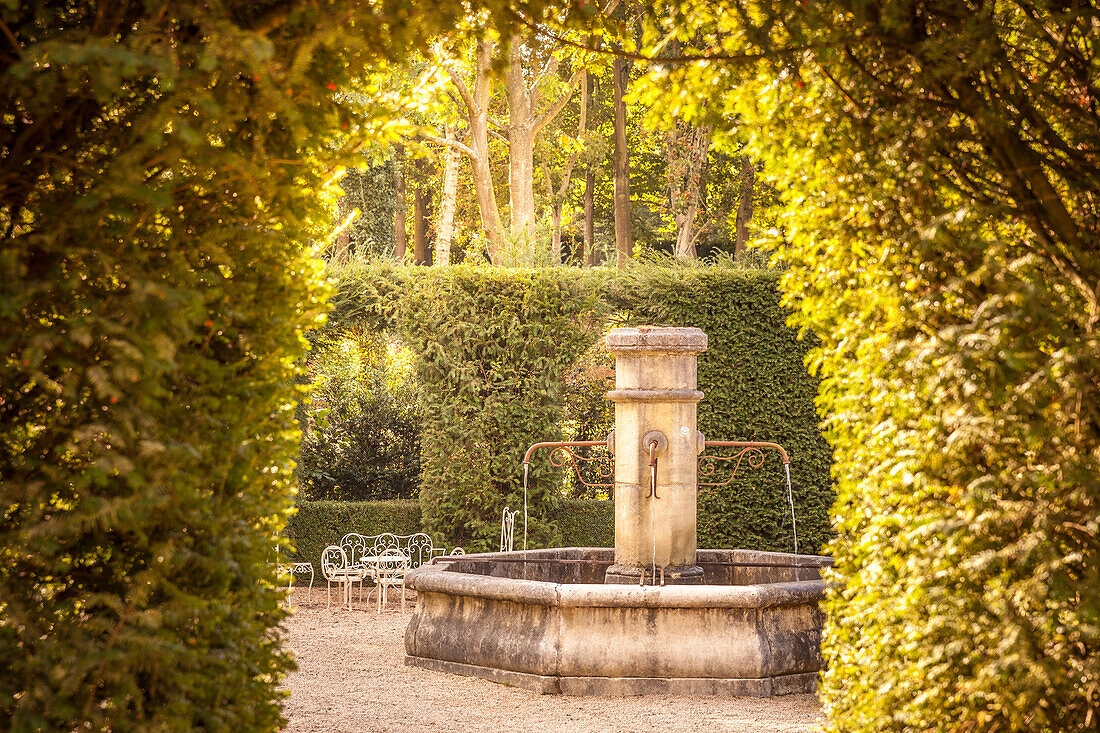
<point>361,427</point>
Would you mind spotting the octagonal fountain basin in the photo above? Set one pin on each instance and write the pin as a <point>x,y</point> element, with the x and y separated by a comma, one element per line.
<point>550,624</point>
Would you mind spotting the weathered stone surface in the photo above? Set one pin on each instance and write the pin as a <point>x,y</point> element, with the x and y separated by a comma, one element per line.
<point>794,684</point>
<point>478,615</point>
<point>655,391</point>
<point>657,339</point>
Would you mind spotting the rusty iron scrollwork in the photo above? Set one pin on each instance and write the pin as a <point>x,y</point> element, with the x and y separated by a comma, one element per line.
<point>602,463</point>
<point>752,453</point>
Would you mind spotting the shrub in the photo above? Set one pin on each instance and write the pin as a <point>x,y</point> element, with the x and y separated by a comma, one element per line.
<point>492,348</point>
<point>954,279</point>
<point>361,427</point>
<point>587,414</point>
<point>159,163</point>
<point>585,522</point>
<point>752,373</point>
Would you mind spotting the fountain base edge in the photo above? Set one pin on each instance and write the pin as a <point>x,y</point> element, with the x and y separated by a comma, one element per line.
<point>545,621</point>
<point>790,684</point>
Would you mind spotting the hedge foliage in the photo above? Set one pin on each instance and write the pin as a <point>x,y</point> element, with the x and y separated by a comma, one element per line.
<point>316,524</point>
<point>492,347</point>
<point>158,169</point>
<point>756,387</point>
<point>941,166</point>
<point>585,522</point>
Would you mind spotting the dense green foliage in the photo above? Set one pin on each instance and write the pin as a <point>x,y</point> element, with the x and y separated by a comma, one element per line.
<point>472,332</point>
<point>585,522</point>
<point>370,190</point>
<point>756,388</point>
<point>942,161</point>
<point>490,348</point>
<point>316,524</point>
<point>158,169</point>
<point>361,427</point>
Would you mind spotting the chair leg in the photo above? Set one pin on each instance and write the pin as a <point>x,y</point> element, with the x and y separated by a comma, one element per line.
<point>402,595</point>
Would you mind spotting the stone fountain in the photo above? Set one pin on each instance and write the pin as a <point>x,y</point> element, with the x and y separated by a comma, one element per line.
<point>654,615</point>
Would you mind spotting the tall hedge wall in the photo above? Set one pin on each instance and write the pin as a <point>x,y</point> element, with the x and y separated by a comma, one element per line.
<point>158,169</point>
<point>492,345</point>
<point>756,387</point>
<point>316,524</point>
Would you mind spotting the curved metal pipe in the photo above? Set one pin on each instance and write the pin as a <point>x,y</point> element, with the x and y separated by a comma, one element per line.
<point>561,444</point>
<point>747,444</point>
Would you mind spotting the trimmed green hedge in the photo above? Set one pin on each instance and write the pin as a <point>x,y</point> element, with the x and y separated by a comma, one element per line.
<point>491,348</point>
<point>318,524</point>
<point>580,523</point>
<point>584,522</point>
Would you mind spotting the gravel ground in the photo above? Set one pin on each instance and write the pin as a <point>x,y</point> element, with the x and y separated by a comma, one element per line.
<point>352,677</point>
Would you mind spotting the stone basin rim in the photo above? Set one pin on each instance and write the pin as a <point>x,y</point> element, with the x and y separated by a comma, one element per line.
<point>440,576</point>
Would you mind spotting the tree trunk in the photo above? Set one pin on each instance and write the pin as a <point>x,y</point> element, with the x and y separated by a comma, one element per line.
<point>521,156</point>
<point>744,207</point>
<point>421,200</point>
<point>491,223</point>
<point>589,216</point>
<point>477,117</point>
<point>685,234</point>
<point>445,230</point>
<point>620,69</point>
<point>399,213</point>
<point>555,240</point>
<point>343,248</point>
<point>521,191</point>
<point>687,150</point>
<point>589,250</point>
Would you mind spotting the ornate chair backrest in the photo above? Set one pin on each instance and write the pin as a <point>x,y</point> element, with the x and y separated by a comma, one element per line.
<point>356,546</point>
<point>386,542</point>
<point>420,548</point>
<point>333,561</point>
<point>458,551</point>
<point>507,529</point>
<point>391,562</point>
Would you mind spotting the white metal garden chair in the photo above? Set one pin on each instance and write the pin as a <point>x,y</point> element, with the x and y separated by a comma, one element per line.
<point>386,542</point>
<point>336,569</point>
<point>389,571</point>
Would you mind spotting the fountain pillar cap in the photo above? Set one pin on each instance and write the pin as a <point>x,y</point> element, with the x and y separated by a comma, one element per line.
<point>656,340</point>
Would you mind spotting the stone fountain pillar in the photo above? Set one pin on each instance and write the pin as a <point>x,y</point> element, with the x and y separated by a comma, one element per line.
<point>655,397</point>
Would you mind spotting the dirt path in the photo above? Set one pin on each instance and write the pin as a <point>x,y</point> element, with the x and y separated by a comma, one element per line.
<point>352,677</point>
